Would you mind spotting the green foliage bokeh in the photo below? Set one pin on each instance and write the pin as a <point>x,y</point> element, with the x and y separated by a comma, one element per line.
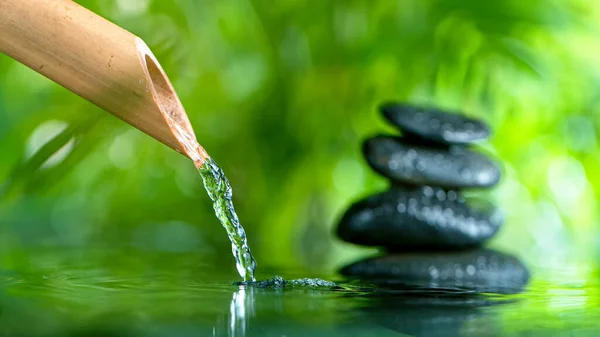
<point>281,94</point>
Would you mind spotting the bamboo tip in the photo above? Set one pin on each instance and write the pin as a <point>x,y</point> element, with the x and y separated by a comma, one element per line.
<point>170,106</point>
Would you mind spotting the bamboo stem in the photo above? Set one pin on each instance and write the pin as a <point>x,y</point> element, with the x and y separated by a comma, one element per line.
<point>100,62</point>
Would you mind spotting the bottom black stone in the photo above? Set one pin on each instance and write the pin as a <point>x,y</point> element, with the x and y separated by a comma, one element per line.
<point>481,270</point>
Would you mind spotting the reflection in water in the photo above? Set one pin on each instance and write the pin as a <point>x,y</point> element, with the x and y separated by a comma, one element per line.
<point>409,309</point>
<point>429,313</point>
<point>270,292</point>
<point>113,304</point>
<point>439,293</point>
<point>240,311</point>
<point>66,294</point>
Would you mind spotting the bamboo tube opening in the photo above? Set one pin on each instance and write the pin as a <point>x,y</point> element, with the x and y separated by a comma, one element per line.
<point>169,104</point>
<point>100,62</point>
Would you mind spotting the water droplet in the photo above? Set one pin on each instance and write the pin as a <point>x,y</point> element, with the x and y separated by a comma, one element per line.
<point>466,173</point>
<point>401,208</point>
<point>412,153</point>
<point>445,273</point>
<point>412,210</point>
<point>442,222</point>
<point>452,195</point>
<point>433,272</point>
<point>470,270</point>
<point>470,222</point>
<point>448,212</point>
<point>428,191</point>
<point>458,272</point>
<point>440,195</point>
<point>473,230</point>
<point>420,216</point>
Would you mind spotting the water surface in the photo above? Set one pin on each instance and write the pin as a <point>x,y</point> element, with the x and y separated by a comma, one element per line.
<point>132,292</point>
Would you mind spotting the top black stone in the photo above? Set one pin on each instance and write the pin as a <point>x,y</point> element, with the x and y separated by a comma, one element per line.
<point>435,125</point>
<point>407,162</point>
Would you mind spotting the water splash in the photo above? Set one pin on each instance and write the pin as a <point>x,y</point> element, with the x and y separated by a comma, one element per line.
<point>280,282</point>
<point>218,189</point>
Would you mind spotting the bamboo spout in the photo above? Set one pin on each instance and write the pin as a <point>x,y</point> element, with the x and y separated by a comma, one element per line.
<point>100,62</point>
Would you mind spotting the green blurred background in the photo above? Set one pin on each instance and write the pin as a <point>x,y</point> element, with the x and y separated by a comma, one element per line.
<point>282,94</point>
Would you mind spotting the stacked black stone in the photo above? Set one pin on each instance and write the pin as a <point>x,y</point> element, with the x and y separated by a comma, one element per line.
<point>423,215</point>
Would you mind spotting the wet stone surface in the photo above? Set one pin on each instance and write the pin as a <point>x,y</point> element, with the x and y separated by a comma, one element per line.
<point>482,270</point>
<point>404,161</point>
<point>433,235</point>
<point>418,218</point>
<point>435,125</point>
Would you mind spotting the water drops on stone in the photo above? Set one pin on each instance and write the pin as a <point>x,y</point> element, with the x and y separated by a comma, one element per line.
<point>453,224</point>
<point>398,159</point>
<point>502,274</point>
<point>435,125</point>
<point>424,224</point>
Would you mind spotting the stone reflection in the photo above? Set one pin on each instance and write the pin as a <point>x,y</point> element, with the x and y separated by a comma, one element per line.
<point>432,314</point>
<point>431,234</point>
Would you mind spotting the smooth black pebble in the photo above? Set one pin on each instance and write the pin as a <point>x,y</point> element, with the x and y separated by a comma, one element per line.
<point>434,124</point>
<point>481,270</point>
<point>418,218</point>
<point>407,162</point>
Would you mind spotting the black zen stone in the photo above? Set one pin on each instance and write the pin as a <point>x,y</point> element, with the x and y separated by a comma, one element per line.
<point>435,125</point>
<point>480,270</point>
<point>418,218</point>
<point>455,167</point>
